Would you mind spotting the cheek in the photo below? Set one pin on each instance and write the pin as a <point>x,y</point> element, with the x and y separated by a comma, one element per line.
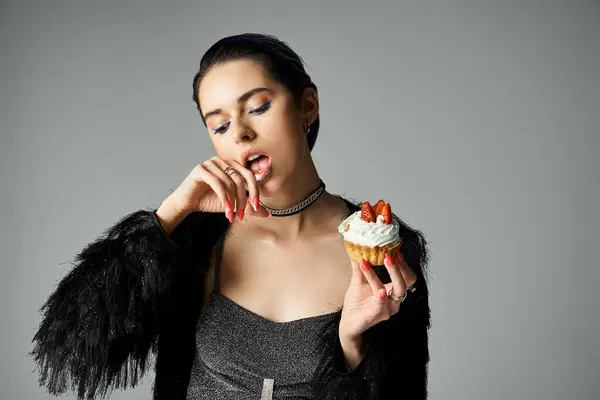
<point>283,127</point>
<point>283,117</point>
<point>285,137</point>
<point>222,150</point>
<point>225,153</point>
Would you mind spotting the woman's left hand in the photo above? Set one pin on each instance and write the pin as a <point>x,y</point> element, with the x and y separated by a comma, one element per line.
<point>367,301</point>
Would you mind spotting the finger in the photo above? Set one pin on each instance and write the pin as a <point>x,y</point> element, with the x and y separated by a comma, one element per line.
<point>226,181</point>
<point>252,204</point>
<point>398,282</point>
<point>252,185</point>
<point>217,166</point>
<point>203,174</point>
<point>372,278</point>
<point>251,195</point>
<point>240,200</point>
<point>409,275</point>
<point>357,275</point>
<point>239,185</point>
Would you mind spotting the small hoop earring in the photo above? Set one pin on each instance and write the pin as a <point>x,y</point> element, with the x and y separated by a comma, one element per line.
<point>306,128</point>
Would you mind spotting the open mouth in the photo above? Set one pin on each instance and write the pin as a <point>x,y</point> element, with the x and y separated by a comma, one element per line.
<point>259,164</point>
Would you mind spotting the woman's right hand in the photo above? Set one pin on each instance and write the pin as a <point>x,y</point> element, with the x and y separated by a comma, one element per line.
<point>209,188</point>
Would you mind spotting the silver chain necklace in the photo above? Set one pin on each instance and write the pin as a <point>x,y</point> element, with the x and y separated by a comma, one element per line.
<point>299,207</point>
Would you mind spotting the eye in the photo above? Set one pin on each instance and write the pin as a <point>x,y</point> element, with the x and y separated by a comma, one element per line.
<point>255,111</point>
<point>261,109</point>
<point>222,129</point>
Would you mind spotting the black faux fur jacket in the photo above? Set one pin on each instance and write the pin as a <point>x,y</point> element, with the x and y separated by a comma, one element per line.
<point>136,292</point>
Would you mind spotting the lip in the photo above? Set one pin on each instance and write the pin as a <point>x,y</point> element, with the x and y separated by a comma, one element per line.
<point>248,153</point>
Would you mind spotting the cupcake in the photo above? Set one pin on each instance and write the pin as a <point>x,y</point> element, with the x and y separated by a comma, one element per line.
<point>371,233</point>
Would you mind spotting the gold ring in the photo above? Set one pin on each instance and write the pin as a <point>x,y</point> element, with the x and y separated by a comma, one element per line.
<point>226,170</point>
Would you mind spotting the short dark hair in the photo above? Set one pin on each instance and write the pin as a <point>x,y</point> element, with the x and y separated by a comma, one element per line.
<point>275,56</point>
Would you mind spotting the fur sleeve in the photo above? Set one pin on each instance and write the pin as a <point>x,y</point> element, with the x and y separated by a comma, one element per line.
<point>101,321</point>
<point>395,363</point>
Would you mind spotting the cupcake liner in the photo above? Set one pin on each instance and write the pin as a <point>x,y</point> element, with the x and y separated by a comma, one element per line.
<point>373,255</point>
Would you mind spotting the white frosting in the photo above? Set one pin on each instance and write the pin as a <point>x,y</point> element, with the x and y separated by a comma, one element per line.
<point>370,234</point>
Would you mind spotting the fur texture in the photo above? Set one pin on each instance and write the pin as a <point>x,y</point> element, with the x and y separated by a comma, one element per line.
<point>136,292</point>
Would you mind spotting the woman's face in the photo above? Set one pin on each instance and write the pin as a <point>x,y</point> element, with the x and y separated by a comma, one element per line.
<point>247,112</point>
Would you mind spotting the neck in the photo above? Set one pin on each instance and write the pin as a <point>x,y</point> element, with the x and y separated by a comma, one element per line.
<point>295,189</point>
<point>289,194</point>
<point>293,227</point>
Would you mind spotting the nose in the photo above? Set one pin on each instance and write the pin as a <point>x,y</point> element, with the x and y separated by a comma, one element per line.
<point>243,133</point>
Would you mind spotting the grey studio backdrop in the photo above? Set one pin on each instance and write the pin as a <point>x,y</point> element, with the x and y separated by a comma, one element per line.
<point>477,120</point>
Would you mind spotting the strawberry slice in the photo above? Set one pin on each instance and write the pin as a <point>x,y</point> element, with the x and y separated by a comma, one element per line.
<point>367,213</point>
<point>387,213</point>
<point>378,207</point>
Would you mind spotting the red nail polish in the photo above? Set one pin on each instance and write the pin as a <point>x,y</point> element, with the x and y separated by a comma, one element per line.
<point>399,256</point>
<point>228,204</point>
<point>241,214</point>
<point>255,203</point>
<point>388,258</point>
<point>364,265</point>
<point>230,216</point>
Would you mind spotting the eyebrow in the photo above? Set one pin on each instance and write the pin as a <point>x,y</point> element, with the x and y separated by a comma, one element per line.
<point>241,99</point>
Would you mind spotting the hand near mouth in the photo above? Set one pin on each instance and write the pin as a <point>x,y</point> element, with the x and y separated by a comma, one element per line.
<point>218,185</point>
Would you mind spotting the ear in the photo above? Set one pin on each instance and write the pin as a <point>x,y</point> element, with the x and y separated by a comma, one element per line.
<point>310,105</point>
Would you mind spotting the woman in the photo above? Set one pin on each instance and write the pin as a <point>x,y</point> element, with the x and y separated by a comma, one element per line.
<point>239,282</point>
